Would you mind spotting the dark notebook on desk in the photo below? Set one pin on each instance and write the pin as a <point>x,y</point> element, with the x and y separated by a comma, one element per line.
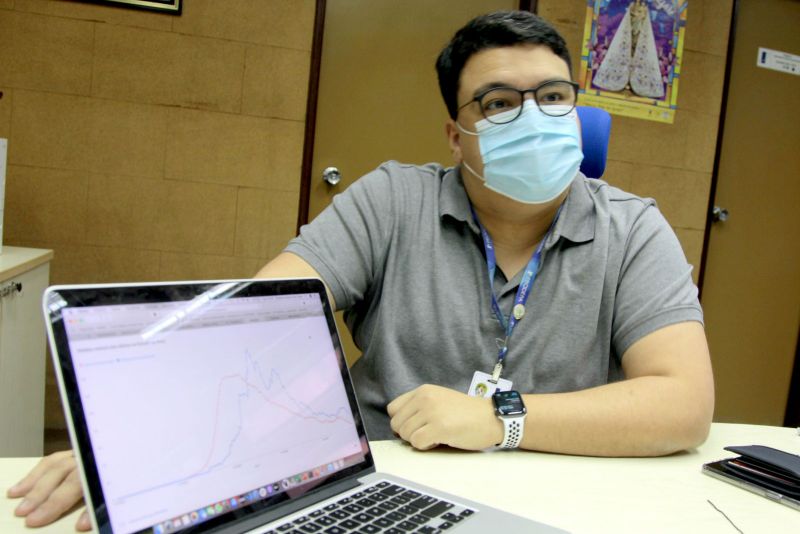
<point>768,472</point>
<point>228,407</point>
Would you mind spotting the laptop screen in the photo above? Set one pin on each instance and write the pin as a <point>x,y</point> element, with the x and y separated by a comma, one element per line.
<point>223,400</point>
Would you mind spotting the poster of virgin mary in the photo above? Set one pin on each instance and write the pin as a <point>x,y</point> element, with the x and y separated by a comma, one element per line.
<point>631,56</point>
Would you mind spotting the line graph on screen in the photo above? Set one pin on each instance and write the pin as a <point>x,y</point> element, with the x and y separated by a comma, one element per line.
<point>271,405</point>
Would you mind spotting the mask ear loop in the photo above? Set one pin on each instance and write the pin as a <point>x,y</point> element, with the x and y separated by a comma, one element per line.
<point>463,162</point>
<point>462,130</point>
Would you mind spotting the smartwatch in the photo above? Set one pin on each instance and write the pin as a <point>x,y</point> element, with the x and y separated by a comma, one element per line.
<point>511,411</point>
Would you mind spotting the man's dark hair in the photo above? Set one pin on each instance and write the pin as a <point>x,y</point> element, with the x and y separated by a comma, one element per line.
<point>494,30</point>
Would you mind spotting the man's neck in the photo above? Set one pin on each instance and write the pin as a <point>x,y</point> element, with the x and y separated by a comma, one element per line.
<point>513,226</point>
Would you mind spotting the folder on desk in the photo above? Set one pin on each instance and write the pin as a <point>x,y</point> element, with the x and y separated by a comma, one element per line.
<point>769,472</point>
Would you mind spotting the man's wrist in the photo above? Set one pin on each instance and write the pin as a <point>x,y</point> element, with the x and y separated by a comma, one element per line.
<point>511,412</point>
<point>495,429</point>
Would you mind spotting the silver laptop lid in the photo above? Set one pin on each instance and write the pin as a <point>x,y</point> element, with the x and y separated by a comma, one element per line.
<point>196,405</point>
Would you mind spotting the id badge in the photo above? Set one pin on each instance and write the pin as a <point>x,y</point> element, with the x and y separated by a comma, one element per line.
<point>482,385</point>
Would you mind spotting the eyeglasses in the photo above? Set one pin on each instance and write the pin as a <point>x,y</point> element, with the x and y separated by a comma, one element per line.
<point>555,98</point>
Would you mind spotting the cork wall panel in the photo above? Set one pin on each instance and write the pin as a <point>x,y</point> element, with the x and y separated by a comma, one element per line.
<point>701,70</point>
<point>708,25</point>
<point>619,173</point>
<point>6,98</point>
<point>124,211</point>
<point>166,68</point>
<point>45,205</point>
<point>234,150</point>
<point>264,222</point>
<point>282,23</point>
<point>46,53</point>
<point>81,133</point>
<point>127,138</point>
<point>185,266</point>
<point>687,144</point>
<point>81,263</point>
<point>51,130</point>
<point>218,148</point>
<point>275,82</point>
<point>196,218</point>
<point>97,13</point>
<point>682,195</point>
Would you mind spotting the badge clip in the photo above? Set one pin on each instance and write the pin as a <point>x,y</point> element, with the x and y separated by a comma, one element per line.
<point>498,368</point>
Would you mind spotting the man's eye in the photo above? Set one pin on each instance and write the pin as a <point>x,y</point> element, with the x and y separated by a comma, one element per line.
<point>497,104</point>
<point>551,97</point>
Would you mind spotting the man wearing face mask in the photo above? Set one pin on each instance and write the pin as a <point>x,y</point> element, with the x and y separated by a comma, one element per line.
<point>508,300</point>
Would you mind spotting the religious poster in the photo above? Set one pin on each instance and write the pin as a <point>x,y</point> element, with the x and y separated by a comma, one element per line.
<point>631,57</point>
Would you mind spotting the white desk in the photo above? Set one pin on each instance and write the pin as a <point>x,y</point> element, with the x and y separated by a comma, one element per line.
<point>583,495</point>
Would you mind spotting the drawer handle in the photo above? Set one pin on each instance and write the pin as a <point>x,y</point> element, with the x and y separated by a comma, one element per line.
<point>10,288</point>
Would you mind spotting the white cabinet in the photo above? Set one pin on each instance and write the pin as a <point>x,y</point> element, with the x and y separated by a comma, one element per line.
<point>24,275</point>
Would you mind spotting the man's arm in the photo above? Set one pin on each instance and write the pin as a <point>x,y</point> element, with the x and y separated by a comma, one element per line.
<point>664,405</point>
<point>288,265</point>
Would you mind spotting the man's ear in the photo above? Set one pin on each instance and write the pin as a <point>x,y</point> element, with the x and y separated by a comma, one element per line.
<point>454,140</point>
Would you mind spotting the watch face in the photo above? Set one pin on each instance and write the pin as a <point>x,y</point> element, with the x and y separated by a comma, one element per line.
<point>508,403</point>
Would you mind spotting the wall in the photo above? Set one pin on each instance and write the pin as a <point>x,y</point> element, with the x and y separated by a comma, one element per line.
<point>145,146</point>
<point>671,163</point>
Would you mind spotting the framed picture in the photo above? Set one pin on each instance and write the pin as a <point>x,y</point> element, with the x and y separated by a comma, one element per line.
<point>169,6</point>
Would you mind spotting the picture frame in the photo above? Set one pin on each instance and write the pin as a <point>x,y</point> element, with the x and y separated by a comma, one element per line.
<point>169,6</point>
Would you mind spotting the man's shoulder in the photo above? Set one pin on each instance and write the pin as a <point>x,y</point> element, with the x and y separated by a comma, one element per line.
<point>399,182</point>
<point>622,207</point>
<point>602,191</point>
<point>430,172</point>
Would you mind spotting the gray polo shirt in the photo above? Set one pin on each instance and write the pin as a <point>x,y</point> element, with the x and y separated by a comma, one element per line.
<point>401,253</point>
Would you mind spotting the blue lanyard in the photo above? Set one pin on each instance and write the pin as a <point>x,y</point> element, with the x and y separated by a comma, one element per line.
<point>523,291</point>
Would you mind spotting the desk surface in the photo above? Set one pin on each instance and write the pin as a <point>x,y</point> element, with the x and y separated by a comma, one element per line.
<point>579,494</point>
<point>17,260</point>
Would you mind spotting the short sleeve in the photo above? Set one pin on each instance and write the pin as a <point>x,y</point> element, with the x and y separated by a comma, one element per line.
<point>655,287</point>
<point>348,241</point>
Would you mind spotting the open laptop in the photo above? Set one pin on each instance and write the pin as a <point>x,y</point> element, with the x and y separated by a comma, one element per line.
<point>227,406</point>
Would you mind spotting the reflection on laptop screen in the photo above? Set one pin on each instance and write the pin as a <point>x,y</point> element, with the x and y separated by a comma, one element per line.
<point>196,409</point>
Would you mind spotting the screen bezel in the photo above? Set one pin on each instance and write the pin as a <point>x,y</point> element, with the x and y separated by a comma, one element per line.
<point>57,298</point>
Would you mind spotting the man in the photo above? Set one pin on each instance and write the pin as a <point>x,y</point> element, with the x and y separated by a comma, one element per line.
<point>510,271</point>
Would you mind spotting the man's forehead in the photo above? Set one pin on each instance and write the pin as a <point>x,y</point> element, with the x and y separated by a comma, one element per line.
<point>518,65</point>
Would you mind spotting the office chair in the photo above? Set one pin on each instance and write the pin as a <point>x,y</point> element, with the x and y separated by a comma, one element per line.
<point>595,130</point>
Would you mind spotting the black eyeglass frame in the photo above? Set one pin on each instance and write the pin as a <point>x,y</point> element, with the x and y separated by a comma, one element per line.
<point>522,93</point>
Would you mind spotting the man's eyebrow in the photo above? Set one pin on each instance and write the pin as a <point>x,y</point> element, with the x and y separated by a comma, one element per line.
<point>495,85</point>
<point>487,86</point>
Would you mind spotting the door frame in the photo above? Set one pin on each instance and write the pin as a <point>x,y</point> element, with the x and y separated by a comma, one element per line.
<point>313,98</point>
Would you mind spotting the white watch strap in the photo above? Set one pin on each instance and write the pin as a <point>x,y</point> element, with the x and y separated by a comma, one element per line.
<point>513,428</point>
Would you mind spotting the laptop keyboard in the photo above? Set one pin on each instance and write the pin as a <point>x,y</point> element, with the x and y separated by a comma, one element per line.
<point>383,507</point>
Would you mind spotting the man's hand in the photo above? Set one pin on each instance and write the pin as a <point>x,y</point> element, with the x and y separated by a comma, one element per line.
<point>433,415</point>
<point>51,489</point>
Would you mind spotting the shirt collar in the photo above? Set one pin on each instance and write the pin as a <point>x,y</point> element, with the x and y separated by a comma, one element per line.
<point>576,222</point>
<point>453,199</point>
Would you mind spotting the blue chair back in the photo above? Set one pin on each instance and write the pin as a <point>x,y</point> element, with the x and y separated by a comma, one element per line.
<point>595,130</point>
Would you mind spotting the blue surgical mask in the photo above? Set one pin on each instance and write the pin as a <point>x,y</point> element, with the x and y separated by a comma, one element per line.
<point>532,159</point>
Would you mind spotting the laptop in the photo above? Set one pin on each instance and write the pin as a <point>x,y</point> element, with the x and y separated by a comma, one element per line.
<point>227,406</point>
